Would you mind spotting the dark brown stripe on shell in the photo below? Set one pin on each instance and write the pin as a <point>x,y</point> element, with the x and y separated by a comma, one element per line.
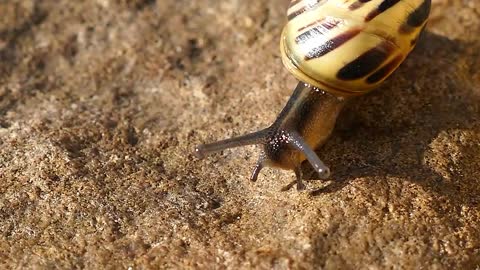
<point>292,15</point>
<point>308,7</point>
<point>320,28</point>
<point>331,44</point>
<point>386,4</point>
<point>310,25</point>
<point>366,63</point>
<point>357,4</point>
<point>385,70</point>
<point>416,18</point>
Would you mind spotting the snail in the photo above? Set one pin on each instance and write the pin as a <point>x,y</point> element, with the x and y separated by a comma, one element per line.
<point>337,49</point>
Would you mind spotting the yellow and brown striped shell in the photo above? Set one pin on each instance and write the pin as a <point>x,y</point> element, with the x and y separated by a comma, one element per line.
<point>348,47</point>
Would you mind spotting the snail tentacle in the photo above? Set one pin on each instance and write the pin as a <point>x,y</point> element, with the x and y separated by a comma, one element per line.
<point>257,137</point>
<point>299,143</point>
<point>258,167</point>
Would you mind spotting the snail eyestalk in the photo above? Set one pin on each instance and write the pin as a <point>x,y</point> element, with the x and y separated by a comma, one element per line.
<point>249,139</point>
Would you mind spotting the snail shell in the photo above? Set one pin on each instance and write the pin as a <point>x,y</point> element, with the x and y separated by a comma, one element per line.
<point>350,47</point>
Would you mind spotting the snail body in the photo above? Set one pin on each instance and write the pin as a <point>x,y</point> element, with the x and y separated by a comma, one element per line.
<point>337,49</point>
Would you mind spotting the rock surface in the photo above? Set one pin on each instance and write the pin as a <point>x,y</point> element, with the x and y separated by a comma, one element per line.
<point>102,102</point>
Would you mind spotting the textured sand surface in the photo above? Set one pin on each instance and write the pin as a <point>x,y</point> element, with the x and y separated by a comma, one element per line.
<point>102,102</point>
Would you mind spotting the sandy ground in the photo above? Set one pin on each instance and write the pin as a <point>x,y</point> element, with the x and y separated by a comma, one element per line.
<point>102,102</point>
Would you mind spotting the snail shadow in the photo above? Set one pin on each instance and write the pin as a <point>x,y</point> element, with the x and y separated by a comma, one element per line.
<point>389,131</point>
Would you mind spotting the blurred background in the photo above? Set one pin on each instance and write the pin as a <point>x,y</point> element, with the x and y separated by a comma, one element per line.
<point>102,102</point>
